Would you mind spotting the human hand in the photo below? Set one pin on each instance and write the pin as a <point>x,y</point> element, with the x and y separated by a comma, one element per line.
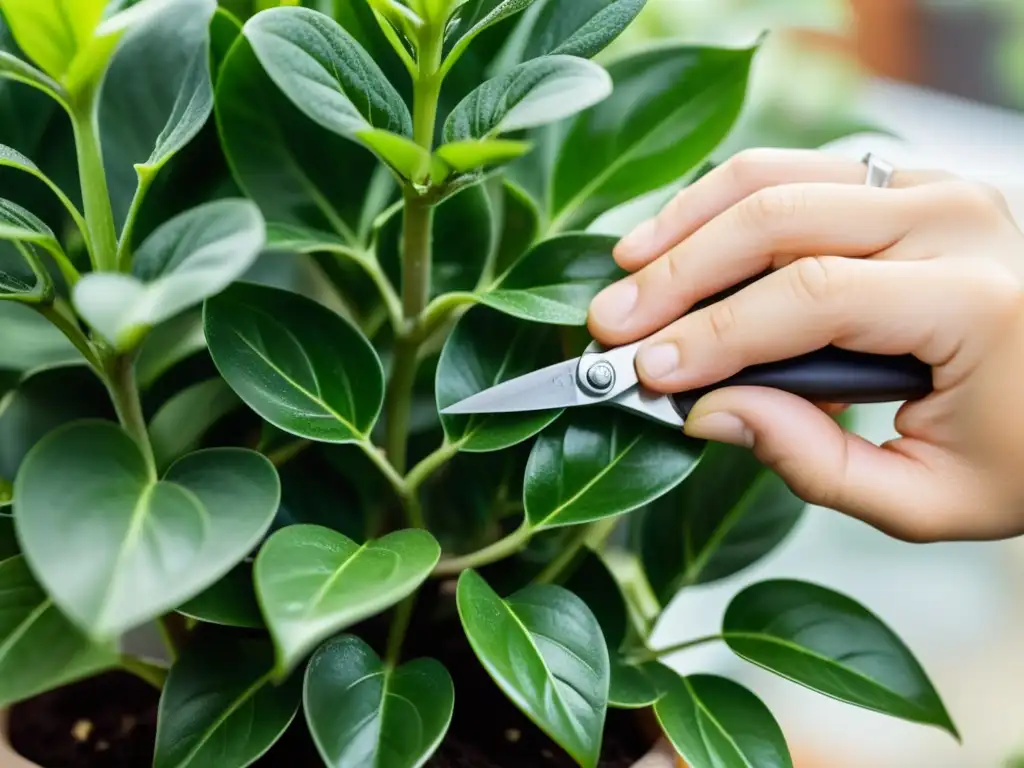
<point>931,266</point>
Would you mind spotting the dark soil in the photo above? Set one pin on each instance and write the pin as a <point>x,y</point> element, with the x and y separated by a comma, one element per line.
<point>110,722</point>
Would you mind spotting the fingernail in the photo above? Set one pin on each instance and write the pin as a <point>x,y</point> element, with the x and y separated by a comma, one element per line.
<point>641,238</point>
<point>721,427</point>
<point>615,303</point>
<point>659,360</point>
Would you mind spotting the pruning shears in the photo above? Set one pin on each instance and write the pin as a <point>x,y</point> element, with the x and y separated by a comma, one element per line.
<point>607,376</point>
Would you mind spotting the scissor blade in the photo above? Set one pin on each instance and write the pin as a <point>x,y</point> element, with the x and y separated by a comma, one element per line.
<point>549,388</point>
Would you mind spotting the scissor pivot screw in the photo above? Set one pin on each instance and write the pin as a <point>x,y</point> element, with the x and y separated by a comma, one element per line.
<point>601,377</point>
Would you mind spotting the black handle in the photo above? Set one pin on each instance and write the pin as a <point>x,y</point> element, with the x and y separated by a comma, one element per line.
<point>832,375</point>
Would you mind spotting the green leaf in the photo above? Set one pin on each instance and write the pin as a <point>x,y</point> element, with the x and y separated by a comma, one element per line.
<point>535,93</point>
<point>462,237</point>
<point>829,643</point>
<point>595,463</point>
<point>474,16</point>
<point>473,154</point>
<point>286,163</point>
<point>581,28</point>
<point>219,707</point>
<point>150,544</point>
<point>190,258</point>
<point>297,364</point>
<point>716,723</point>
<point>556,280</point>
<point>630,144</point>
<point>361,712</point>
<point>723,518</point>
<point>178,427</point>
<point>406,157</point>
<point>13,68</point>
<point>631,686</point>
<point>12,158</point>
<point>31,341</point>
<point>313,582</point>
<point>31,623</point>
<point>168,344</point>
<point>22,276</point>
<point>484,349</point>
<point>53,32</point>
<point>157,96</point>
<point>545,649</point>
<point>324,71</point>
<point>230,601</point>
<point>520,220</point>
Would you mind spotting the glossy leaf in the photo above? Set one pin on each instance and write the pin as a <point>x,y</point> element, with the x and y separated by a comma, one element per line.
<point>473,154</point>
<point>190,258</point>
<point>580,28</point>
<point>463,239</point>
<point>178,427</point>
<point>726,516</point>
<point>632,686</point>
<point>361,712</point>
<point>229,601</point>
<point>297,364</point>
<point>535,93</point>
<point>484,349</point>
<point>716,723</point>
<point>313,582</point>
<point>219,707</point>
<point>39,648</point>
<point>595,464</point>
<point>671,106</point>
<point>157,96</point>
<point>545,649</point>
<point>286,163</point>
<point>324,71</point>
<point>556,280</point>
<point>22,276</point>
<point>829,643</point>
<point>146,546</point>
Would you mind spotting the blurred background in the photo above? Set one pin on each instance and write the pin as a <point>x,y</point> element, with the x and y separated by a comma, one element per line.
<point>936,83</point>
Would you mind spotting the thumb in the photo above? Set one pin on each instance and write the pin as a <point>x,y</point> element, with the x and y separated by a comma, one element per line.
<point>888,487</point>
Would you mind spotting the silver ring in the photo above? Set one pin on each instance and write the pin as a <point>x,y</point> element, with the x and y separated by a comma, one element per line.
<point>880,172</point>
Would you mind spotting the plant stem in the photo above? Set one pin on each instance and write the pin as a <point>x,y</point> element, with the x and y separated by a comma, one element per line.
<point>492,553</point>
<point>99,216</point>
<point>441,308</point>
<point>124,247</point>
<point>429,465</point>
<point>564,558</point>
<point>61,316</point>
<point>399,627</point>
<point>125,396</point>
<point>152,673</point>
<point>399,402</point>
<point>654,654</point>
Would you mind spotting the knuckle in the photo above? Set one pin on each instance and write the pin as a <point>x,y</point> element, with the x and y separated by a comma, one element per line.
<point>974,201</point>
<point>747,169</point>
<point>815,279</point>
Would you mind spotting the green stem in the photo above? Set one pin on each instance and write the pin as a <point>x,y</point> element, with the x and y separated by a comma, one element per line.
<point>564,558</point>
<point>399,402</point>
<point>499,550</point>
<point>397,632</point>
<point>429,465</point>
<point>125,396</point>
<point>99,216</point>
<point>441,309</point>
<point>153,674</point>
<point>653,654</point>
<point>61,316</point>
<point>124,246</point>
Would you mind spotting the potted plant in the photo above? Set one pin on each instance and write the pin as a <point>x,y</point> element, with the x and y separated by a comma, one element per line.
<point>246,265</point>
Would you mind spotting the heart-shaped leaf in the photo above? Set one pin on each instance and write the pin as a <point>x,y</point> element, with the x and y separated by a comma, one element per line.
<point>472,154</point>
<point>594,464</point>
<point>313,582</point>
<point>545,649</point>
<point>581,28</point>
<point>22,276</point>
<point>286,163</point>
<point>152,544</point>
<point>716,723</point>
<point>297,364</point>
<point>473,359</point>
<point>556,280</point>
<point>463,239</point>
<point>627,146</point>
<point>535,93</point>
<point>157,96</point>
<point>829,643</point>
<point>324,71</point>
<point>190,258</point>
<point>361,712</point>
<point>472,18</point>
<point>219,706</point>
<point>230,601</point>
<point>178,427</point>
<point>724,517</point>
<point>29,623</point>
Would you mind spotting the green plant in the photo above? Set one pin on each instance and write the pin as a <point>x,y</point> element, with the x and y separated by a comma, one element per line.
<point>260,258</point>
